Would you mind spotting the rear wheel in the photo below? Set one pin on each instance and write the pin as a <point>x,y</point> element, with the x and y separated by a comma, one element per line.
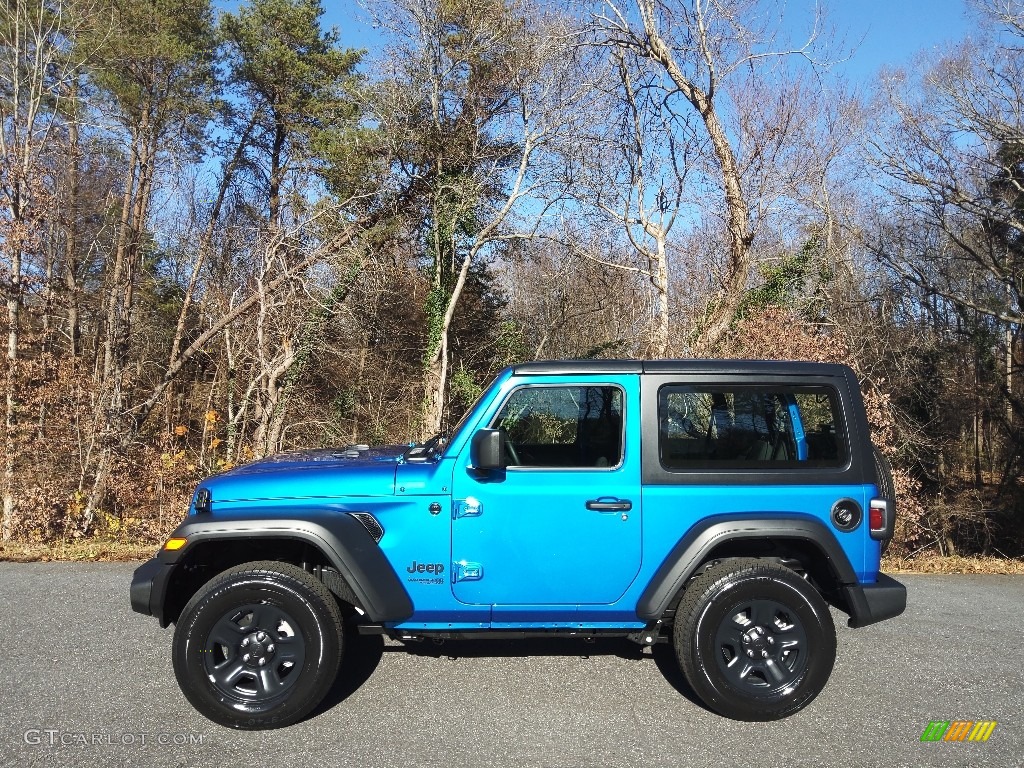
<point>755,640</point>
<point>258,646</point>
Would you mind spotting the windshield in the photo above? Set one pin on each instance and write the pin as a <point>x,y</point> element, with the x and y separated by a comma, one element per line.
<point>485,396</point>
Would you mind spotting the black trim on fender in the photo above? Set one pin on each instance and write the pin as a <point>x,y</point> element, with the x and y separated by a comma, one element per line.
<point>700,540</point>
<point>340,537</point>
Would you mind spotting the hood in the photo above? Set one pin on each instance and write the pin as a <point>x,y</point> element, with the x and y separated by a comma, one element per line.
<point>315,474</point>
<point>353,455</point>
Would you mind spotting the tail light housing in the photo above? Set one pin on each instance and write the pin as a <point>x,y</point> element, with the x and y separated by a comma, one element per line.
<point>880,519</point>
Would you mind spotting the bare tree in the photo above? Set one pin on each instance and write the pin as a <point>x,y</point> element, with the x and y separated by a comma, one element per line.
<point>629,166</point>
<point>36,70</point>
<point>568,300</point>
<point>468,104</point>
<point>952,166</point>
<point>949,229</point>
<point>1006,13</point>
<point>156,77</point>
<point>710,52</point>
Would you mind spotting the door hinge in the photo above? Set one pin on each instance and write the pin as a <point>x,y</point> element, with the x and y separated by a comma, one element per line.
<point>467,571</point>
<point>468,507</point>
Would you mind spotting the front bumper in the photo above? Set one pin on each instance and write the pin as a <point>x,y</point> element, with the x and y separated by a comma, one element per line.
<point>149,586</point>
<point>871,603</point>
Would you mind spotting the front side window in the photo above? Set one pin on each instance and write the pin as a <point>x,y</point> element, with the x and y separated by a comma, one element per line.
<point>571,426</point>
<point>749,427</point>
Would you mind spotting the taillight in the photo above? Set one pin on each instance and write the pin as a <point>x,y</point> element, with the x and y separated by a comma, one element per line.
<point>878,519</point>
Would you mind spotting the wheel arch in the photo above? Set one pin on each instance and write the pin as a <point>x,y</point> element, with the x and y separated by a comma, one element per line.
<point>787,538</point>
<point>339,551</point>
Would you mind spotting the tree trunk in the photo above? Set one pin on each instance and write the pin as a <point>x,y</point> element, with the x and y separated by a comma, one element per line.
<point>436,374</point>
<point>735,280</point>
<point>276,178</point>
<point>274,401</point>
<point>16,246</point>
<point>114,284</point>
<point>738,275</point>
<point>206,239</point>
<point>140,217</point>
<point>659,281</point>
<point>119,300</point>
<point>71,213</point>
<point>435,382</point>
<point>11,405</point>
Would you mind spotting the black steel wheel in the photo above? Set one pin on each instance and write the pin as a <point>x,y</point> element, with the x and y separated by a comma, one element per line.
<point>258,646</point>
<point>754,639</point>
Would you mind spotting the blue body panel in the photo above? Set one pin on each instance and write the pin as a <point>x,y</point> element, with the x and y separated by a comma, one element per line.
<point>670,511</point>
<point>542,551</point>
<point>414,537</point>
<point>306,476</point>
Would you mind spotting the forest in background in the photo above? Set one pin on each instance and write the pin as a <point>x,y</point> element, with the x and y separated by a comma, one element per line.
<point>224,235</point>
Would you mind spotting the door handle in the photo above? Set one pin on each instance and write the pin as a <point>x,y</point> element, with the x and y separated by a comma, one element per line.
<point>609,504</point>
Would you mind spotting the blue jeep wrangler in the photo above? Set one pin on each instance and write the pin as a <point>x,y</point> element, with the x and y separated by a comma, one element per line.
<point>718,505</point>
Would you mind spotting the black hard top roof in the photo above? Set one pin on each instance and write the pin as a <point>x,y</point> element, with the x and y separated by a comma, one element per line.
<point>756,367</point>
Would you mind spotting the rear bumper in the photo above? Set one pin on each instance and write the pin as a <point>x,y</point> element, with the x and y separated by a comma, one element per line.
<point>149,585</point>
<point>871,603</point>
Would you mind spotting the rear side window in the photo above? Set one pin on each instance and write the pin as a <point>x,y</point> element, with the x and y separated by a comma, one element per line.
<point>749,427</point>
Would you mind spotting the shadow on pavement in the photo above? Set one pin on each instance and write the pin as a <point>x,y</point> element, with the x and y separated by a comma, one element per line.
<point>361,657</point>
<point>665,659</point>
<point>364,653</point>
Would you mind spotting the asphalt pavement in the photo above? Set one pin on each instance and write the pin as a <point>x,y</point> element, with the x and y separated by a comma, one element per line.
<point>89,683</point>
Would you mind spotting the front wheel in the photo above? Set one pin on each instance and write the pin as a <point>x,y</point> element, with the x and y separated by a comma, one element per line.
<point>258,646</point>
<point>755,640</point>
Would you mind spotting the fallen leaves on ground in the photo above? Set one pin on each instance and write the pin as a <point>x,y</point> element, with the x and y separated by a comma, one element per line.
<point>953,564</point>
<point>78,550</point>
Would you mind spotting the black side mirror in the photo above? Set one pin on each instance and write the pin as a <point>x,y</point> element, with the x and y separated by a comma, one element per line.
<point>488,449</point>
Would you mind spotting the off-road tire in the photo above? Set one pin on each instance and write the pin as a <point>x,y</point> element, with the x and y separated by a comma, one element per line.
<point>258,646</point>
<point>754,639</point>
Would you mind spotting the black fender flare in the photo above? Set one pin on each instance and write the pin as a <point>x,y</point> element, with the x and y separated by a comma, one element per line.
<point>341,538</point>
<point>702,538</point>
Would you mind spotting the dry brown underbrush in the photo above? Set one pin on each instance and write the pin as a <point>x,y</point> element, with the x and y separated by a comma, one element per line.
<point>77,550</point>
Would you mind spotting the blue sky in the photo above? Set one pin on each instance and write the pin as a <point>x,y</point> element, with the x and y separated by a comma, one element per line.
<point>891,33</point>
<point>886,32</point>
